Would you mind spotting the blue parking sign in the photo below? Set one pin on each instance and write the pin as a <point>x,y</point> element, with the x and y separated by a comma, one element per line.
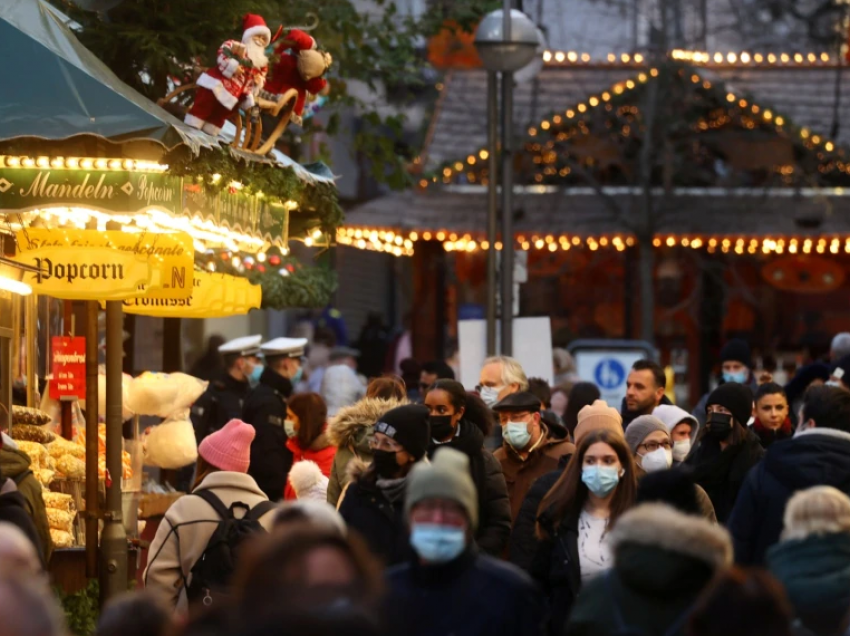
<point>609,374</point>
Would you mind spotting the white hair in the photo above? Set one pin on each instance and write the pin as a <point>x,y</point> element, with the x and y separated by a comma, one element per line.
<point>816,511</point>
<point>512,372</point>
<point>840,346</point>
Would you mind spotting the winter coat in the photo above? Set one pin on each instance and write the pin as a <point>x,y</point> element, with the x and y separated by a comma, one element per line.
<point>13,509</point>
<point>722,473</point>
<point>188,526</point>
<point>521,474</point>
<point>473,595</point>
<point>265,410</point>
<point>350,431</point>
<point>556,567</point>
<point>15,465</point>
<point>321,451</point>
<point>814,457</point>
<point>815,572</point>
<point>768,436</point>
<point>523,543</point>
<point>662,561</point>
<point>223,401</point>
<point>381,522</point>
<point>494,508</point>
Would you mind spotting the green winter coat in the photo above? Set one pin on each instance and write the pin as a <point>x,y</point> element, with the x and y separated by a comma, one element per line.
<point>13,464</point>
<point>350,431</point>
<point>662,561</point>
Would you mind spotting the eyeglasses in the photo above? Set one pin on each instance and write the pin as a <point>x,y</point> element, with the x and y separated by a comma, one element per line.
<point>481,387</point>
<point>651,447</point>
<point>385,445</point>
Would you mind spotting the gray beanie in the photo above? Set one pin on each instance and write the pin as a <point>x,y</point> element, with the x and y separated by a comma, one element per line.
<point>640,429</point>
<point>446,477</point>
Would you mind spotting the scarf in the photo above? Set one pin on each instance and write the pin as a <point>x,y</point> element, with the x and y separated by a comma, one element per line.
<point>393,489</point>
<point>769,435</point>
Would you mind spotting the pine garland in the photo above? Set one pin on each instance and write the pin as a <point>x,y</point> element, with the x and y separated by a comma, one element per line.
<point>318,205</point>
<point>285,281</point>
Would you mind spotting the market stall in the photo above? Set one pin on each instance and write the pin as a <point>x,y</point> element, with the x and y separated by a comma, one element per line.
<point>109,205</point>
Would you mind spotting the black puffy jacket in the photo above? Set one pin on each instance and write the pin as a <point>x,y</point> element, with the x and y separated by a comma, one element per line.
<point>473,595</point>
<point>815,457</point>
<point>366,509</point>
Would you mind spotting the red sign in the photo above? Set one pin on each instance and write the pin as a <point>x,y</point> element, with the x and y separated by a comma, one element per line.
<point>68,357</point>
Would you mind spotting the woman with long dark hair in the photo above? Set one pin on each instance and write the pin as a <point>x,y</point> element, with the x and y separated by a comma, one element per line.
<point>577,515</point>
<point>461,420</point>
<point>306,424</point>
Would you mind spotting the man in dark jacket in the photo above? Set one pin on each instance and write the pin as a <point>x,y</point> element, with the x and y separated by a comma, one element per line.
<point>225,395</point>
<point>265,410</point>
<point>448,587</point>
<point>530,449</point>
<point>736,364</point>
<point>818,455</point>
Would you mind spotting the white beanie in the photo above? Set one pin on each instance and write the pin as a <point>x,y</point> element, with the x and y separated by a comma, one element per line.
<point>308,482</point>
<point>672,416</point>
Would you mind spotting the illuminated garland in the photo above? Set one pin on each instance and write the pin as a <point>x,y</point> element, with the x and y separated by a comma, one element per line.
<point>286,282</point>
<point>216,169</point>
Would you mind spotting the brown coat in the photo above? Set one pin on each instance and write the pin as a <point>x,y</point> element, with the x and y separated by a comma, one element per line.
<point>520,475</point>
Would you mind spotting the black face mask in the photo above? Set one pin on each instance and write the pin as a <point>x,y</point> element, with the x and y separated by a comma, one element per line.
<point>719,426</point>
<point>385,463</point>
<point>441,426</point>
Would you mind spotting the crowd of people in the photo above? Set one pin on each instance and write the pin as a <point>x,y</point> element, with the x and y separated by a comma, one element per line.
<point>419,507</point>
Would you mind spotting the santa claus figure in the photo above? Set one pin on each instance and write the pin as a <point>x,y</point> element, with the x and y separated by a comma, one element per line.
<point>301,67</point>
<point>239,72</point>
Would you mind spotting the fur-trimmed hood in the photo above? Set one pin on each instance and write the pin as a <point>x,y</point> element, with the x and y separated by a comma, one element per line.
<point>659,526</point>
<point>349,426</point>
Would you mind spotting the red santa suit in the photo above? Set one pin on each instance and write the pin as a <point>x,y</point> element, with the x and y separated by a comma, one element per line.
<point>221,89</point>
<point>285,74</point>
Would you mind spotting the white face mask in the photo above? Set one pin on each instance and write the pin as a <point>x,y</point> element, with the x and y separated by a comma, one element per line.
<point>681,450</point>
<point>490,395</point>
<point>660,459</point>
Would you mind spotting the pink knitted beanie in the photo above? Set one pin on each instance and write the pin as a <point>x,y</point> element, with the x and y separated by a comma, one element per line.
<point>229,448</point>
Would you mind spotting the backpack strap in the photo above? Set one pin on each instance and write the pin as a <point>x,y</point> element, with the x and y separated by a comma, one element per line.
<point>21,477</point>
<point>216,503</point>
<point>259,511</point>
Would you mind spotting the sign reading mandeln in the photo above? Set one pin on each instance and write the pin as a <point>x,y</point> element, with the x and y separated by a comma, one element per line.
<point>110,190</point>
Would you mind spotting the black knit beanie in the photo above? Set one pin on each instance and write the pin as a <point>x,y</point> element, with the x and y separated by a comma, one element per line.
<point>407,425</point>
<point>736,398</point>
<point>737,350</point>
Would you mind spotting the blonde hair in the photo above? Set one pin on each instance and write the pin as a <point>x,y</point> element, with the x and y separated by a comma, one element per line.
<point>512,372</point>
<point>816,511</point>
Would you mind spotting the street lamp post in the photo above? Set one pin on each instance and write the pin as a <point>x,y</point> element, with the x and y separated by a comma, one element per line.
<point>506,41</point>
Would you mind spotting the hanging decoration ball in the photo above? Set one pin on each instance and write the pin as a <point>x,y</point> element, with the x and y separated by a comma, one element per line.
<point>274,260</point>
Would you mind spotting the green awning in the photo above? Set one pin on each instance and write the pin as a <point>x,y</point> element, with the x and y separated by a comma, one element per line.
<point>55,88</point>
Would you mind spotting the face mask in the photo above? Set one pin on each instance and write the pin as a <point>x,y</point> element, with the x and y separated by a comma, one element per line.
<point>289,427</point>
<point>659,459</point>
<point>516,434</point>
<point>437,543</point>
<point>739,377</point>
<point>600,480</point>
<point>295,379</point>
<point>719,426</point>
<point>490,395</point>
<point>834,383</point>
<point>441,426</point>
<point>681,450</point>
<point>385,463</point>
<point>254,378</point>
